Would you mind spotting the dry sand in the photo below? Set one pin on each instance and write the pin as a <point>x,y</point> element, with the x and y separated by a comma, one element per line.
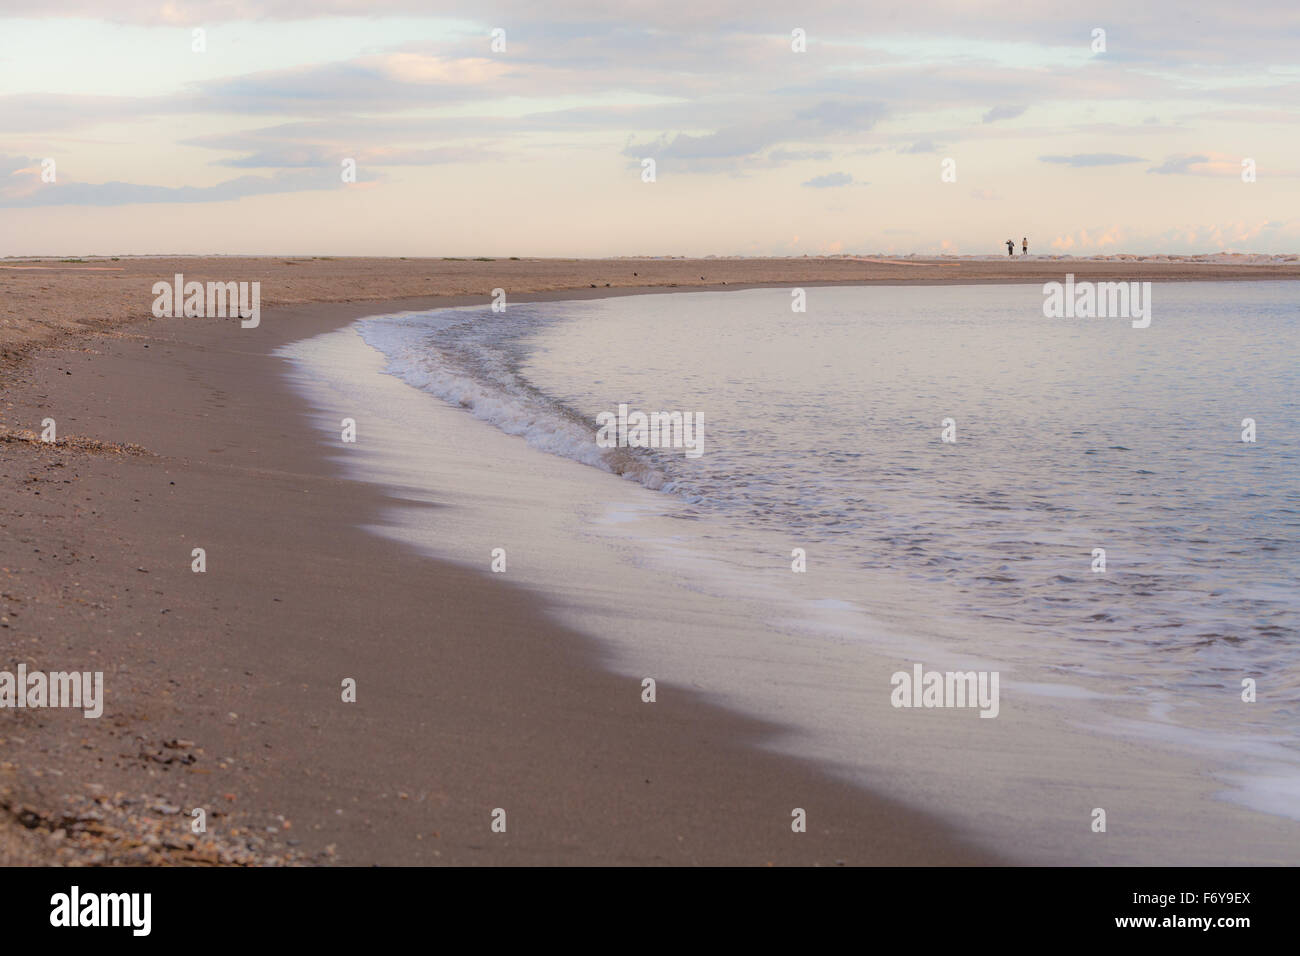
<point>41,299</point>
<point>223,688</point>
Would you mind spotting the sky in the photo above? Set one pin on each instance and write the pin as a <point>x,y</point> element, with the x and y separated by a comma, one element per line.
<point>524,128</point>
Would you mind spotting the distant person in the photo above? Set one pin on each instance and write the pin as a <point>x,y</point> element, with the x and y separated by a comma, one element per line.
<point>1024,246</point>
<point>1011,247</point>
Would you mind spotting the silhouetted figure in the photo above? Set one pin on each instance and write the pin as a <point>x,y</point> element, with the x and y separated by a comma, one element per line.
<point>1024,246</point>
<point>1011,247</point>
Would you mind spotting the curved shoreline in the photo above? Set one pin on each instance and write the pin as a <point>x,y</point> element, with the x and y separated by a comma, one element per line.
<point>468,697</point>
<point>70,297</point>
<point>1163,788</point>
<point>95,547</point>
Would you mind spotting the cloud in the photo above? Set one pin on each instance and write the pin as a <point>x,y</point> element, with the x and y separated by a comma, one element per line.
<point>839,116</point>
<point>829,181</point>
<point>798,155</point>
<point>377,84</point>
<point>293,87</point>
<point>726,148</point>
<point>1190,239</point>
<point>295,156</point>
<point>728,143</point>
<point>1092,159</point>
<point>1195,31</point>
<point>13,164</point>
<point>1097,240</point>
<point>1179,165</point>
<point>1243,115</point>
<point>22,189</point>
<point>1003,112</point>
<point>59,112</point>
<point>1212,164</point>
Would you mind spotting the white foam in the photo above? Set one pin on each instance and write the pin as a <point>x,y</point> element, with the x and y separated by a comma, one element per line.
<point>495,397</point>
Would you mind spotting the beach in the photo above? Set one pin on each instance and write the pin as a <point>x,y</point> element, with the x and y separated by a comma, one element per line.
<point>223,688</point>
<point>48,297</point>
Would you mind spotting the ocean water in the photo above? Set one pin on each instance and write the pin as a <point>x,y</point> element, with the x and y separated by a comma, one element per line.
<point>822,432</point>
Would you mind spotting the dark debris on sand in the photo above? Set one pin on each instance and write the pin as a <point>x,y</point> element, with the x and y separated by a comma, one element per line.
<point>123,830</point>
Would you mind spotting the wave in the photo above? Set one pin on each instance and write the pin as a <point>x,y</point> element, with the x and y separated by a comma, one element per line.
<point>472,361</point>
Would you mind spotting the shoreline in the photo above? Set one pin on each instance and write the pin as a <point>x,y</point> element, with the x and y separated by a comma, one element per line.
<point>54,299</point>
<point>212,356</point>
<point>222,688</point>
<point>406,433</point>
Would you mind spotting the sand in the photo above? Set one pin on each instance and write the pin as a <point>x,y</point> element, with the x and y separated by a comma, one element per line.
<point>224,687</point>
<point>42,299</point>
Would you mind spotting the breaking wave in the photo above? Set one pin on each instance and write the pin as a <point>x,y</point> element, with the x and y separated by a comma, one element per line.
<point>472,359</point>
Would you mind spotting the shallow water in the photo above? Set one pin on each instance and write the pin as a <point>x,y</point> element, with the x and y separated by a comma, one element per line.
<point>822,432</point>
<point>823,428</point>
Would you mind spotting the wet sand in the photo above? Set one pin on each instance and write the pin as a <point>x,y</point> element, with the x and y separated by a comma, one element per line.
<point>223,688</point>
